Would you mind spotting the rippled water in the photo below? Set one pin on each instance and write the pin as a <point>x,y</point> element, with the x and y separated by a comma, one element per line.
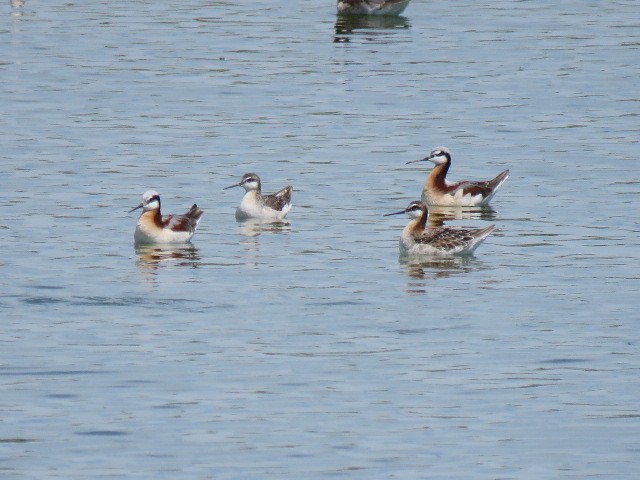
<point>308,349</point>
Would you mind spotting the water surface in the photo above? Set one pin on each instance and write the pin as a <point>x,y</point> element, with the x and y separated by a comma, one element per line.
<point>309,349</point>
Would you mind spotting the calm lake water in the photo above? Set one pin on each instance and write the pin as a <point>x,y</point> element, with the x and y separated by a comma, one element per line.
<point>309,350</point>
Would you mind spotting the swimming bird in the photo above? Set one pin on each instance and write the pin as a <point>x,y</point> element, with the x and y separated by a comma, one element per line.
<point>272,207</point>
<point>439,191</point>
<point>418,239</point>
<point>372,7</point>
<point>153,227</point>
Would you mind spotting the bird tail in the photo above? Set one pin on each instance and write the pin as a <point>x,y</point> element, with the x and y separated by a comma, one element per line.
<point>195,212</point>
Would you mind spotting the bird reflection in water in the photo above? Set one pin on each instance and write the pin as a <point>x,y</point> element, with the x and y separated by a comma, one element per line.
<point>439,215</point>
<point>436,268</point>
<point>253,227</point>
<point>17,7</point>
<point>151,257</point>
<point>347,25</point>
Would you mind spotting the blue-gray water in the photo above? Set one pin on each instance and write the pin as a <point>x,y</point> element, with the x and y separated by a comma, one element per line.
<point>309,350</point>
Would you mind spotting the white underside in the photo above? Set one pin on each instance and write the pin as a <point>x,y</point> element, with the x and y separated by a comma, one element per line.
<point>145,234</point>
<point>250,208</point>
<point>458,199</point>
<point>412,249</point>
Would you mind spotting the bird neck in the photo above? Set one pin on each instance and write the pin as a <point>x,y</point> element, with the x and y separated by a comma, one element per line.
<point>438,175</point>
<point>416,226</point>
<point>153,216</point>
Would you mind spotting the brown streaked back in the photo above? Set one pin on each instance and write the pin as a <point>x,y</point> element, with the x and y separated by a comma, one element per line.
<point>183,223</point>
<point>278,200</point>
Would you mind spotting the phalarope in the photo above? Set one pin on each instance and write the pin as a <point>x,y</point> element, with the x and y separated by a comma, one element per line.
<point>418,239</point>
<point>372,7</point>
<point>153,227</point>
<point>438,191</point>
<point>272,207</point>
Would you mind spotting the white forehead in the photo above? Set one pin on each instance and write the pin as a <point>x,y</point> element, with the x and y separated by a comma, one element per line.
<point>440,151</point>
<point>149,194</point>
